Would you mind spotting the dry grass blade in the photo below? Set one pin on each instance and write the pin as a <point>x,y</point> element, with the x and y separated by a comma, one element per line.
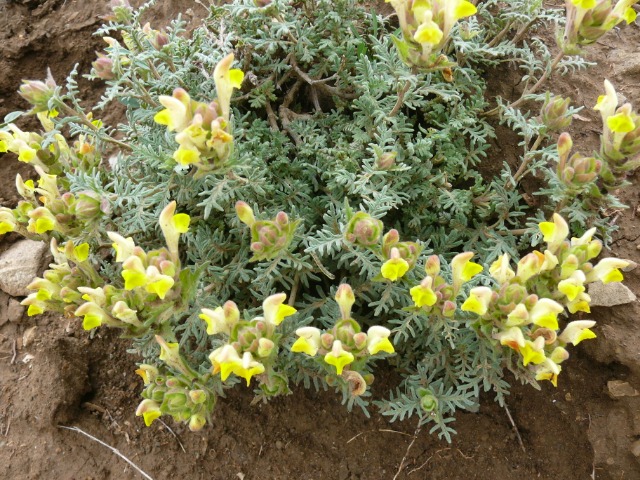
<point>114,450</point>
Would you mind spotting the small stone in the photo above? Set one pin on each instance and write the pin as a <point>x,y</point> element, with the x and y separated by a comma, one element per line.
<point>29,336</point>
<point>279,445</point>
<point>620,388</point>
<point>567,397</point>
<point>19,265</point>
<point>635,448</point>
<point>610,295</point>
<point>15,311</point>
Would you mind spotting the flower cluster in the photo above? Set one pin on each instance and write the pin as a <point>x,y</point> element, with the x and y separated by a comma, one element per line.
<point>397,257</point>
<point>203,131</point>
<point>151,291</point>
<point>426,26</point>
<point>522,311</point>
<point>176,395</point>
<point>252,346</point>
<point>434,295</point>
<point>269,238</point>
<point>45,209</point>
<point>588,20</point>
<point>345,349</point>
<point>620,140</point>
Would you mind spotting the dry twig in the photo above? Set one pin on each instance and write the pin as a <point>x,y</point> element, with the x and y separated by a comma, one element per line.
<point>401,466</point>
<point>515,428</point>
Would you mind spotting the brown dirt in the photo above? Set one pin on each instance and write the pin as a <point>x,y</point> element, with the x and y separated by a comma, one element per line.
<point>62,376</point>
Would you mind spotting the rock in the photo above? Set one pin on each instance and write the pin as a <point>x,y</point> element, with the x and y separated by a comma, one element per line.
<point>620,388</point>
<point>610,294</point>
<point>635,448</point>
<point>19,265</point>
<point>15,311</point>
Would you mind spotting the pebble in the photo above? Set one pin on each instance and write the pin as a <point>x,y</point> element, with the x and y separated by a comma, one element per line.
<point>620,388</point>
<point>19,265</point>
<point>610,295</point>
<point>635,448</point>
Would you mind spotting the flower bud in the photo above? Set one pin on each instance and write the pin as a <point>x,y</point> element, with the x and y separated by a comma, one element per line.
<point>386,160</point>
<point>197,423</point>
<point>38,93</point>
<point>265,347</point>
<point>245,214</point>
<point>326,340</point>
<point>432,265</point>
<point>554,113</point>
<point>428,401</point>
<point>103,67</point>
<point>449,308</point>
<point>363,230</point>
<point>345,299</point>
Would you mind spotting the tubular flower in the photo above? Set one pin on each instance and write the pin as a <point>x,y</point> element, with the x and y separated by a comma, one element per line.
<point>511,338</point>
<point>518,316</point>
<point>577,331</point>
<point>225,360</point>
<point>554,233</point>
<point>573,286</point>
<point>123,246</point>
<point>395,267</point>
<point>545,313</point>
<point>226,79</point>
<point>275,310</point>
<point>248,368</point>
<point>147,372</point>
<point>308,341</point>
<point>478,300</point>
<point>530,265</point>
<point>157,283</point>
<point>345,300</point>
<point>93,314</point>
<point>500,269</point>
<point>338,357</point>
<point>463,269</point>
<point>580,303</point>
<point>172,226</point>
<point>222,319</point>
<point>533,352</point>
<point>149,410</point>
<point>423,295</point>
<point>378,340</point>
<point>607,270</point>
<point>7,221</point>
<point>133,273</point>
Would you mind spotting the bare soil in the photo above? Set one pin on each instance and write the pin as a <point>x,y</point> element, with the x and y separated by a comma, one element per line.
<point>58,375</point>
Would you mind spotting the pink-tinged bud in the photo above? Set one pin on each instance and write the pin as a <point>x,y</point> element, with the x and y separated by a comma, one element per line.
<point>363,230</point>
<point>265,347</point>
<point>386,160</point>
<point>345,299</point>
<point>257,247</point>
<point>360,340</point>
<point>432,265</point>
<point>38,93</point>
<point>87,206</point>
<point>449,308</point>
<point>245,214</point>
<point>198,396</point>
<point>565,144</point>
<point>103,67</point>
<point>156,38</point>
<point>122,11</point>
<point>390,239</point>
<point>326,340</point>
<point>282,219</point>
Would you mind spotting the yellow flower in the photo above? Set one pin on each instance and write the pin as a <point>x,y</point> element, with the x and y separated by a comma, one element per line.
<point>463,269</point>
<point>428,32</point>
<point>93,315</point>
<point>177,113</point>
<point>545,313</point>
<point>226,80</point>
<point>394,268</point>
<point>518,316</point>
<point>147,372</point>
<point>573,286</point>
<point>309,341</point>
<point>621,123</point>
<point>248,368</point>
<point>423,295</point>
<point>580,303</point>
<point>172,226</point>
<point>338,357</point>
<point>133,273</point>
<point>511,338</point>
<point>275,310</point>
<point>607,270</point>
<point>149,410</point>
<point>584,4</point>
<point>500,269</point>
<point>533,352</point>
<point>478,300</point>
<point>554,233</point>
<point>378,340</point>
<point>225,360</point>
<point>123,246</point>
<point>577,331</point>
<point>158,283</point>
